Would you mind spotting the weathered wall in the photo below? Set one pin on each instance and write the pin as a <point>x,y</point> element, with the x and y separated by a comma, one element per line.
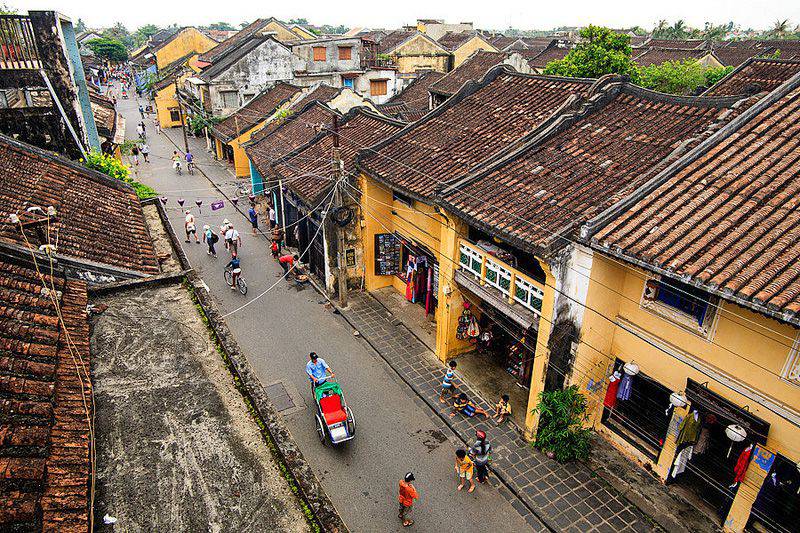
<point>469,48</point>
<point>421,54</point>
<point>187,40</point>
<point>362,84</point>
<point>42,127</point>
<point>332,62</point>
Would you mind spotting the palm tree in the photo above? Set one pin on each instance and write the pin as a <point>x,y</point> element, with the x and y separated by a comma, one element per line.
<point>661,29</point>
<point>780,28</point>
<point>679,29</point>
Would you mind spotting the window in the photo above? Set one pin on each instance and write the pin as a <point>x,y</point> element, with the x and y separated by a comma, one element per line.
<point>230,99</point>
<point>378,87</point>
<point>174,115</point>
<point>347,82</point>
<point>345,53</point>
<point>791,370</point>
<point>684,304</point>
<point>320,54</point>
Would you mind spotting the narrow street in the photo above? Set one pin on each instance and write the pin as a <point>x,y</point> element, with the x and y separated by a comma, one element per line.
<point>397,432</point>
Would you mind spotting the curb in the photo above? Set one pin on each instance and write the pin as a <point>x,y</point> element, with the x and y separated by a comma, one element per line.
<point>290,459</point>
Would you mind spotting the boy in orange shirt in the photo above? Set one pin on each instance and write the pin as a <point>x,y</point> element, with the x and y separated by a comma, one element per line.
<point>464,469</point>
<point>406,498</point>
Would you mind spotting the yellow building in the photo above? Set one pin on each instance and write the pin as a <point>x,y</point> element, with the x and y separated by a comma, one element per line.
<point>463,45</point>
<point>234,131</point>
<point>187,41</point>
<point>414,52</point>
<point>303,33</point>
<point>164,97</point>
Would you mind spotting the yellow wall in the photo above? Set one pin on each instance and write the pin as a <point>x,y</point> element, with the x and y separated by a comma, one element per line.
<point>282,33</point>
<point>165,101</point>
<point>469,48</point>
<point>421,54</point>
<point>188,40</point>
<point>303,33</point>
<point>744,348</point>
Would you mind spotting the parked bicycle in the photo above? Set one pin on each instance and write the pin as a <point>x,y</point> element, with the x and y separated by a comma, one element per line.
<point>241,284</point>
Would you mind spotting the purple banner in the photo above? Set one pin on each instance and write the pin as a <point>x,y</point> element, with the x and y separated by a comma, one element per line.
<point>219,204</point>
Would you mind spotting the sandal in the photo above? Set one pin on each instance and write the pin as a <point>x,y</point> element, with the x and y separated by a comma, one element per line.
<point>408,523</point>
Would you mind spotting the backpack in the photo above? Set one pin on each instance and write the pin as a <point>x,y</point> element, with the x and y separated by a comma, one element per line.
<point>214,238</point>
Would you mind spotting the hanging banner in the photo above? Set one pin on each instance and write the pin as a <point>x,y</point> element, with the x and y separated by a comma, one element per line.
<point>216,206</point>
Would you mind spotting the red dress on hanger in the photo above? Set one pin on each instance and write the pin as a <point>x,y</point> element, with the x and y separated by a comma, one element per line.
<point>741,464</point>
<point>610,400</point>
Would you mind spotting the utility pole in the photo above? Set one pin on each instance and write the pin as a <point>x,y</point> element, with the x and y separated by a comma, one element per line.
<point>341,259</point>
<point>180,115</point>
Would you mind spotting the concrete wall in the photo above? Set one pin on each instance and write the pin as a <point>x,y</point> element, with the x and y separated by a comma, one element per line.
<point>187,40</point>
<point>469,48</point>
<point>362,84</point>
<point>256,71</point>
<point>421,54</point>
<point>305,52</point>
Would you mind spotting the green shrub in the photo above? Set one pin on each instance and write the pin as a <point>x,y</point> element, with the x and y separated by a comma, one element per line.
<point>561,417</point>
<point>111,166</point>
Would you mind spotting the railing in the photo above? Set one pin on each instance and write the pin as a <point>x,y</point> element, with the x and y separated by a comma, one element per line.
<point>17,43</point>
<point>488,270</point>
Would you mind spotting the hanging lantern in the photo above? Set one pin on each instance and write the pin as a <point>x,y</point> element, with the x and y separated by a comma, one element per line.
<point>198,203</point>
<point>164,200</point>
<point>252,197</point>
<point>631,368</point>
<point>181,201</point>
<point>235,200</point>
<point>678,399</point>
<point>735,433</point>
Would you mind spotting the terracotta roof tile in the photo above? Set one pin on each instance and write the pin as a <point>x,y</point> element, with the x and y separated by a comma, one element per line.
<point>581,164</point>
<point>44,438</point>
<point>452,40</point>
<point>547,55</point>
<point>232,42</point>
<point>98,218</point>
<point>728,216</point>
<point>413,101</point>
<point>756,75</point>
<point>392,39</point>
<point>255,111</point>
<point>733,56</point>
<point>308,169</point>
<point>658,55</point>
<point>468,129</point>
<point>683,44</point>
<point>473,68</point>
<point>280,137</point>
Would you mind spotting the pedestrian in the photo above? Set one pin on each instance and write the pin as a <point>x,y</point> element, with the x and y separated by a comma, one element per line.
<point>232,239</point>
<point>135,154</point>
<point>145,152</point>
<point>503,409</point>
<point>448,385</point>
<point>253,215</point>
<point>287,262</point>
<point>190,227</point>
<point>407,495</point>
<point>464,469</point>
<point>466,407</point>
<point>210,238</point>
<point>141,110</point>
<point>271,217</point>
<point>157,125</point>
<point>481,455</point>
<point>277,237</point>
<point>140,131</point>
<point>274,248</point>
<point>144,129</point>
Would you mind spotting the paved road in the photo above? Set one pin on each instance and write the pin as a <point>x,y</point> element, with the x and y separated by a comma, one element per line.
<point>396,432</point>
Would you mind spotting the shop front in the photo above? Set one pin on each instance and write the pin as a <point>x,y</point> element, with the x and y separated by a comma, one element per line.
<point>412,266</point>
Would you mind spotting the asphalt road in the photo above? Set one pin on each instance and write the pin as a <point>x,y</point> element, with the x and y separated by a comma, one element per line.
<point>395,434</point>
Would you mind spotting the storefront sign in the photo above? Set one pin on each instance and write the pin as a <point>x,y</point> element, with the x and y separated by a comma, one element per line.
<point>387,254</point>
<point>350,257</point>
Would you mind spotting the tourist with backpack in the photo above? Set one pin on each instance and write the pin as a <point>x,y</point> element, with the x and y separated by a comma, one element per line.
<point>211,239</point>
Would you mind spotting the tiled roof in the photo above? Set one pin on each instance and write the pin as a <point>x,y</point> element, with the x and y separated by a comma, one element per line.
<point>392,39</point>
<point>734,56</point>
<point>726,216</point>
<point>468,129</point>
<point>787,48</point>
<point>684,44</point>
<point>171,72</point>
<point>280,137</point>
<point>452,40</point>
<point>98,218</point>
<point>413,101</point>
<point>44,437</point>
<point>755,75</point>
<point>658,55</point>
<point>581,163</point>
<point>639,40</point>
<point>307,170</point>
<point>255,111</point>
<point>473,68</point>
<point>502,41</point>
<point>234,41</point>
<point>547,55</point>
<point>105,116</point>
<point>225,62</point>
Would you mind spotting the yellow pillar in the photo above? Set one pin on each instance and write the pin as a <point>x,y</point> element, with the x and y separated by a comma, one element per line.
<point>218,144</point>
<point>542,353</point>
<point>450,301</point>
<point>512,286</point>
<point>748,489</point>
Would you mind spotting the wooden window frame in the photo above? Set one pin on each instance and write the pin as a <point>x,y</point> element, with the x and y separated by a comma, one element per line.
<point>316,56</point>
<point>347,55</point>
<point>385,83</point>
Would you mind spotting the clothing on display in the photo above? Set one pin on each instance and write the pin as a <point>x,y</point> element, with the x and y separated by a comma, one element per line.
<point>741,464</point>
<point>610,400</point>
<point>689,430</point>
<point>681,460</point>
<point>704,440</point>
<point>625,387</point>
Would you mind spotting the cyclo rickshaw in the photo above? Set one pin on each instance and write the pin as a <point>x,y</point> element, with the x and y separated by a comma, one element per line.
<point>334,418</point>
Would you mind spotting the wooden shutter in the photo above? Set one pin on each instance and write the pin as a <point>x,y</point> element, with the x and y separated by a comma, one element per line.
<point>378,87</point>
<point>319,53</point>
<point>345,53</point>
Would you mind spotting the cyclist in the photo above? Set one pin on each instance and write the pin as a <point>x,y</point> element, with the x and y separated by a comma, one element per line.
<point>176,161</point>
<point>236,270</point>
<point>189,162</point>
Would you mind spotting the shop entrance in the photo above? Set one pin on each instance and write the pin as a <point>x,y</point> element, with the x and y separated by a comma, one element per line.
<point>418,269</point>
<point>502,359</point>
<point>778,503</point>
<point>707,458</point>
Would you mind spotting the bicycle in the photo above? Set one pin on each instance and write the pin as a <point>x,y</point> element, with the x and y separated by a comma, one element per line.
<point>190,167</point>
<point>240,282</point>
<point>177,166</point>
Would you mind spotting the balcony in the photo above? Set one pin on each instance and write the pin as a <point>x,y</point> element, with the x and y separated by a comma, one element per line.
<point>17,44</point>
<point>515,287</point>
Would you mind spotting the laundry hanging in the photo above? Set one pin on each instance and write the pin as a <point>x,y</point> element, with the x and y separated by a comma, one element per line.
<point>610,400</point>
<point>625,387</point>
<point>681,460</point>
<point>689,429</point>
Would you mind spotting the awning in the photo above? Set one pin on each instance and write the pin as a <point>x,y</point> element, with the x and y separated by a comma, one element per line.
<point>516,313</point>
<point>195,81</point>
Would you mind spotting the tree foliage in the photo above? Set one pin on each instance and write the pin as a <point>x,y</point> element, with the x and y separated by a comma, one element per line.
<point>222,26</point>
<point>143,33</point>
<point>112,167</point>
<point>674,77</point>
<point>562,414</point>
<point>601,51</point>
<point>118,32</point>
<point>110,49</point>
